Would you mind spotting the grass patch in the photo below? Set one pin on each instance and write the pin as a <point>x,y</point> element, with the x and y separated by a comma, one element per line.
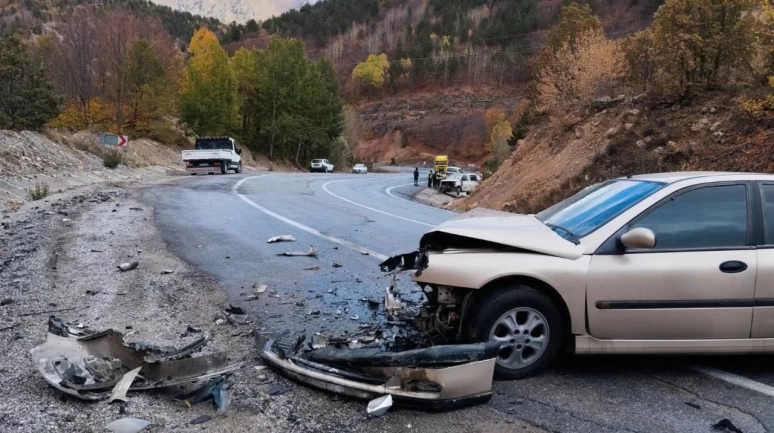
<point>38,192</point>
<point>111,159</point>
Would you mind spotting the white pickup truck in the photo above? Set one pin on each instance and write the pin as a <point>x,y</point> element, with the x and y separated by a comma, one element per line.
<point>213,155</point>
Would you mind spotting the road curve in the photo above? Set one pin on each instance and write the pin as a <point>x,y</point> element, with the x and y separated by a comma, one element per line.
<point>221,224</point>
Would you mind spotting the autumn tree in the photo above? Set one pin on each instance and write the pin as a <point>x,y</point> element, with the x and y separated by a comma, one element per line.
<point>208,99</point>
<point>500,131</point>
<point>695,45</point>
<point>244,65</point>
<point>577,64</point>
<point>27,98</point>
<point>373,72</point>
<point>75,66</point>
<point>145,83</point>
<point>117,30</point>
<point>579,72</point>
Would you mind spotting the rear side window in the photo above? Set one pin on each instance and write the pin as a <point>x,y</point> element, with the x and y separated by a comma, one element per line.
<point>707,217</point>
<point>768,209</point>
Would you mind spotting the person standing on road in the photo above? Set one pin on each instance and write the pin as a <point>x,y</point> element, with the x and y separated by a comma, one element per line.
<point>430,179</point>
<point>416,176</point>
<point>437,182</point>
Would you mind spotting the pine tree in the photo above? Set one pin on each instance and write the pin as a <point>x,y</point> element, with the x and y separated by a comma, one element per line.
<point>27,98</point>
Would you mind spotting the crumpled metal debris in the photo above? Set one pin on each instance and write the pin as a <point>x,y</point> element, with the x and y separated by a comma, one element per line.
<point>90,366</point>
<point>436,378</point>
<point>283,238</point>
<point>379,406</point>
<point>127,425</point>
<point>311,253</point>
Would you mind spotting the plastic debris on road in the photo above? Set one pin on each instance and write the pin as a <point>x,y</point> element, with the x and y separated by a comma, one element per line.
<point>310,253</point>
<point>127,425</point>
<point>283,238</point>
<point>379,406</point>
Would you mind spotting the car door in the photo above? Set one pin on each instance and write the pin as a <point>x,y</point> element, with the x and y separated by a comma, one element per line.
<point>763,313</point>
<point>698,281</point>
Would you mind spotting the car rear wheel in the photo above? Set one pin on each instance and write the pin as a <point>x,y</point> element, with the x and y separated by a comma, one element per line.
<point>525,322</point>
<point>239,168</point>
<point>223,167</point>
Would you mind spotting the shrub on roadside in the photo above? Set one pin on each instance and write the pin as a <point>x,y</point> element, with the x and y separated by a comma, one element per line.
<point>38,192</point>
<point>111,159</point>
<point>163,132</point>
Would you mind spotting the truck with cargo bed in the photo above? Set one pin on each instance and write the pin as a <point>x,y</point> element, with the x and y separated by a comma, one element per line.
<point>213,155</point>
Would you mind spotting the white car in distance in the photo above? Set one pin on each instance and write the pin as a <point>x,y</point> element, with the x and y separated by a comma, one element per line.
<point>321,165</point>
<point>360,169</point>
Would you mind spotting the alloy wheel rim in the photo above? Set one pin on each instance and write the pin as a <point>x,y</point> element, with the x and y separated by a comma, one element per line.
<point>523,335</point>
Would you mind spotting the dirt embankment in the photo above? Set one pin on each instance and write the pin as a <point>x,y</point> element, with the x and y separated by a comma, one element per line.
<point>65,160</point>
<point>632,136</point>
<point>416,127</point>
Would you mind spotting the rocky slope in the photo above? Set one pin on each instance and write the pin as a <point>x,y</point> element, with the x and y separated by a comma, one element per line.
<point>415,127</point>
<point>633,135</point>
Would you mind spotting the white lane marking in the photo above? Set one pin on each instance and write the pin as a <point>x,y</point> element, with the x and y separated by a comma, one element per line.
<point>389,192</point>
<point>735,379</point>
<point>286,220</point>
<point>325,187</point>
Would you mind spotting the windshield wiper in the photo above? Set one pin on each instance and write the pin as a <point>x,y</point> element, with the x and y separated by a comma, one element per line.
<point>575,240</point>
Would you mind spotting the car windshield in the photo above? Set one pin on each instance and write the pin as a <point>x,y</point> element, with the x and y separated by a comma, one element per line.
<point>359,166</point>
<point>212,144</point>
<point>593,207</point>
<point>454,176</point>
<point>317,161</point>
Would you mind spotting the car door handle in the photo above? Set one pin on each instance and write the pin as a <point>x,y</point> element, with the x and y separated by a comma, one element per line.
<point>733,267</point>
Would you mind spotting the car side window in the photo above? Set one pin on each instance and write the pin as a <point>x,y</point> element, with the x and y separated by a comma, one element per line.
<point>706,217</point>
<point>768,209</point>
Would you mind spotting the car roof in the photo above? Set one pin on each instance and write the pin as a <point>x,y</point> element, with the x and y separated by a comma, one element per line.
<point>672,177</point>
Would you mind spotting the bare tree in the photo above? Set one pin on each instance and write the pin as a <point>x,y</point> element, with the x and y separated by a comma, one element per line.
<point>77,58</point>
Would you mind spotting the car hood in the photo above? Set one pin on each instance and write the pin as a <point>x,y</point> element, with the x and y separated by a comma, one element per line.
<point>501,228</point>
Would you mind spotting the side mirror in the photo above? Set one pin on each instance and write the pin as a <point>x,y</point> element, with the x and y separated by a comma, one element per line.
<point>639,238</point>
<point>239,151</point>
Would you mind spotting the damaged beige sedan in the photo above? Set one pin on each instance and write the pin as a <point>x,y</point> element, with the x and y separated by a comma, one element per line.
<point>672,263</point>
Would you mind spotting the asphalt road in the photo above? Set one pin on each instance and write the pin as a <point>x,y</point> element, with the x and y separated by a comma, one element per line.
<point>221,224</point>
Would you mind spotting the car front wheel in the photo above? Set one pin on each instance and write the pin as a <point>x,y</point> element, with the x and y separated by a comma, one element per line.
<point>525,322</point>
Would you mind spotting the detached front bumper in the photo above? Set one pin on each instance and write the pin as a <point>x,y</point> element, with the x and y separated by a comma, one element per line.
<point>466,381</point>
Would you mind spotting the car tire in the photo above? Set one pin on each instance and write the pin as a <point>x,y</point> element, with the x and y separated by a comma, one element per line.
<point>239,168</point>
<point>458,190</point>
<point>533,315</point>
<point>223,167</point>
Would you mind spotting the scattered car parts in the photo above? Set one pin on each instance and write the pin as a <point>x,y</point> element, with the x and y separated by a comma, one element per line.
<point>127,425</point>
<point>89,365</point>
<point>283,238</point>
<point>438,378</point>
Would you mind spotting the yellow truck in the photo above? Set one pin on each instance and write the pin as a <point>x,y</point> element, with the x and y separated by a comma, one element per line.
<point>441,164</point>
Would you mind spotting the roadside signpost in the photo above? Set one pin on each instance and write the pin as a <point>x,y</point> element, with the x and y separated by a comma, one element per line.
<point>113,140</point>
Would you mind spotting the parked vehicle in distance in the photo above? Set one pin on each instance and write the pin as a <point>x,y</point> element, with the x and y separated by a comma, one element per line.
<point>459,183</point>
<point>360,169</point>
<point>321,165</point>
<point>213,155</point>
<point>670,263</point>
